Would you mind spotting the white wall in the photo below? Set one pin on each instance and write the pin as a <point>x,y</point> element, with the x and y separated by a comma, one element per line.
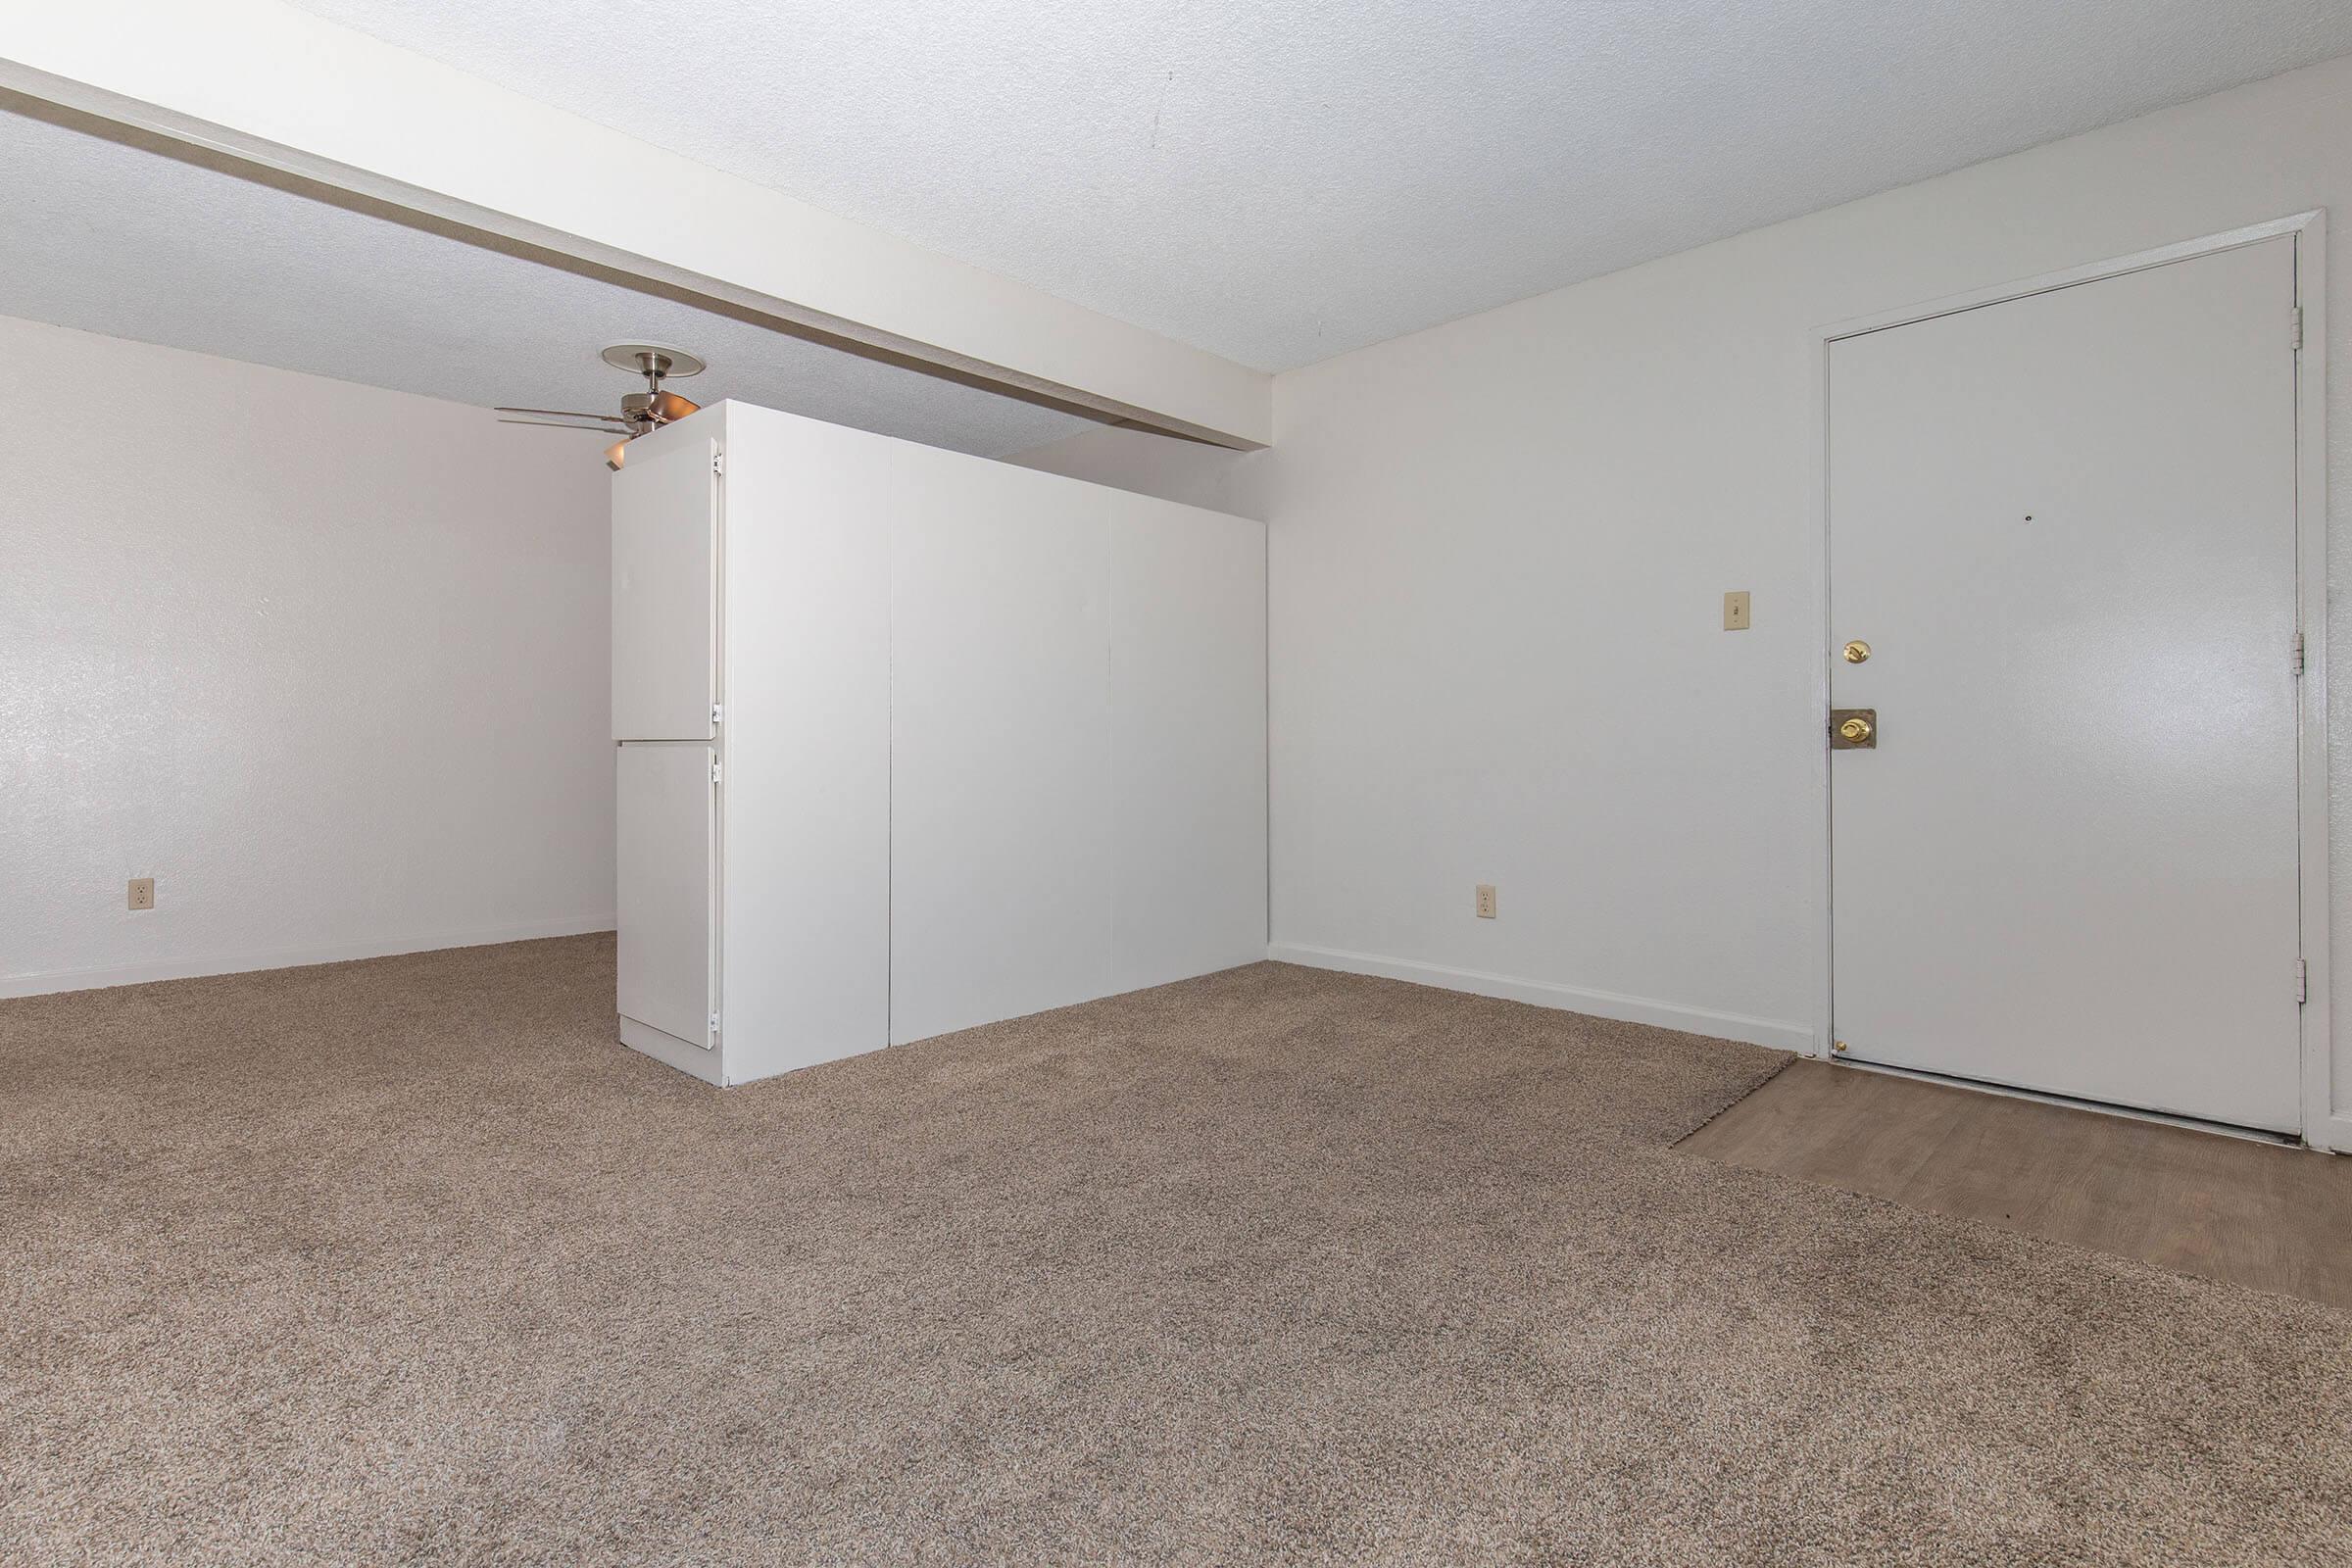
<point>326,661</point>
<point>995,742</point>
<point>1187,471</point>
<point>1078,745</point>
<point>1077,737</point>
<point>1497,551</point>
<point>805,937</point>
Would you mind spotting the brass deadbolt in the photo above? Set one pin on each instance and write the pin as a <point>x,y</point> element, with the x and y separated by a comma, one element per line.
<point>1853,729</point>
<point>1857,653</point>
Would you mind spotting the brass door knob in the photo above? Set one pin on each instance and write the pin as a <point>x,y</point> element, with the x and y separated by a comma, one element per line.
<point>1857,653</point>
<point>1856,729</point>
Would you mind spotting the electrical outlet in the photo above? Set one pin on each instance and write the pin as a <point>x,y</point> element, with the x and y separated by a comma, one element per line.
<point>142,893</point>
<point>1734,611</point>
<point>1486,901</point>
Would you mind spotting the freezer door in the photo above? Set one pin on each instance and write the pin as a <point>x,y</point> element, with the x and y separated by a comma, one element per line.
<point>667,887</point>
<point>666,594</point>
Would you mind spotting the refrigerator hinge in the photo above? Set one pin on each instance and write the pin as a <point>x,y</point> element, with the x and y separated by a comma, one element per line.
<point>719,462</point>
<point>714,770</point>
<point>719,710</point>
<point>2298,654</point>
<point>2302,982</point>
<point>2294,333</point>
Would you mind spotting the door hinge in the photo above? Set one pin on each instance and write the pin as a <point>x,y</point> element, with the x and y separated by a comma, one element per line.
<point>2294,329</point>
<point>2302,982</point>
<point>719,710</point>
<point>2298,654</point>
<point>714,1023</point>
<point>718,460</point>
<point>714,770</point>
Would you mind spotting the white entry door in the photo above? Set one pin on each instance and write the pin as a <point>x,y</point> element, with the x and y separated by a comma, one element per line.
<point>2064,526</point>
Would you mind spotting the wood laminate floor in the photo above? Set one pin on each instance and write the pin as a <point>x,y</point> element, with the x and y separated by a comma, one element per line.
<point>2257,1214</point>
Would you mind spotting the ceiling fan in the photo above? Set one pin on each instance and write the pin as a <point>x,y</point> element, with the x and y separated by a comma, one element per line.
<point>640,412</point>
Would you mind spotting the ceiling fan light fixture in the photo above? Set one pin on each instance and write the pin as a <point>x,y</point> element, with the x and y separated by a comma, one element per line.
<point>640,412</point>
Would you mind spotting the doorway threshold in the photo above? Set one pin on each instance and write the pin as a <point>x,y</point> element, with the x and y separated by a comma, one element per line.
<point>2244,1209</point>
<point>2165,1118</point>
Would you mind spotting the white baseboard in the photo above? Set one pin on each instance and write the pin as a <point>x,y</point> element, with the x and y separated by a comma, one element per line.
<point>131,974</point>
<point>1772,1032</point>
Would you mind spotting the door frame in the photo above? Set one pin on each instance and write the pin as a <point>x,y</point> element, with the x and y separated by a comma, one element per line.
<point>2323,1126</point>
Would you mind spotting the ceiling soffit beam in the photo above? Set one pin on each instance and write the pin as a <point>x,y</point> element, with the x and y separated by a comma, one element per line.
<point>260,83</point>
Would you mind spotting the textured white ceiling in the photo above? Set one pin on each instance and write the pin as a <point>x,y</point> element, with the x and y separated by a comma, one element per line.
<point>116,239</point>
<point>1279,180</point>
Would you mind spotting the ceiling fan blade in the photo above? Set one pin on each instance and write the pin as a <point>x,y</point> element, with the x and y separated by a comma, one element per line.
<point>595,422</point>
<point>548,423</point>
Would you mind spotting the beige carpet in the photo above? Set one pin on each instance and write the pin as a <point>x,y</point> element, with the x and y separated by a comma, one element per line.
<point>404,1262</point>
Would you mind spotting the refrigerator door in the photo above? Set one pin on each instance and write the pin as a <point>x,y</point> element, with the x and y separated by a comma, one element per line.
<point>669,887</point>
<point>666,594</point>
